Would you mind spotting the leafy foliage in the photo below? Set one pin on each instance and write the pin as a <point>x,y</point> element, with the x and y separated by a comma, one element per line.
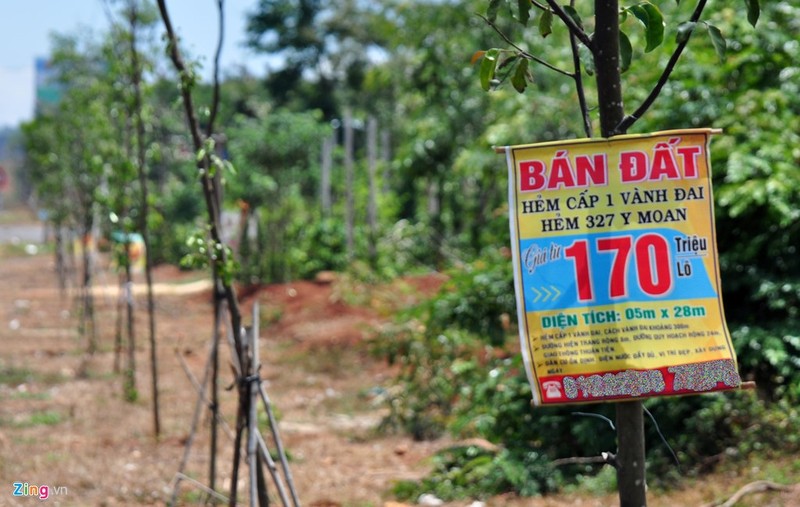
<point>722,427</point>
<point>320,38</point>
<point>472,472</point>
<point>751,96</point>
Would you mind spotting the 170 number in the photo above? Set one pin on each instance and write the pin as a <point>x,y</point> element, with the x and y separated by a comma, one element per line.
<point>650,254</point>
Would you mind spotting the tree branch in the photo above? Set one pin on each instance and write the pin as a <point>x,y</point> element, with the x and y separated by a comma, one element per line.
<point>579,461</point>
<point>539,6</point>
<point>522,52</point>
<point>576,62</point>
<point>207,182</point>
<point>215,97</point>
<point>219,255</point>
<point>629,120</point>
<point>573,27</point>
<point>183,73</point>
<point>576,75</point>
<point>753,487</point>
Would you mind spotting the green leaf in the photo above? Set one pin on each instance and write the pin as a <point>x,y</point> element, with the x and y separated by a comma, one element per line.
<point>228,166</point>
<point>524,11</point>
<point>574,15</point>
<point>652,19</point>
<point>488,66</point>
<point>625,52</point>
<point>720,45</point>
<point>655,29</point>
<point>640,13</point>
<point>587,59</point>
<point>753,11</point>
<point>491,11</point>
<point>519,80</point>
<point>505,61</point>
<point>461,366</point>
<point>546,23</point>
<point>685,30</point>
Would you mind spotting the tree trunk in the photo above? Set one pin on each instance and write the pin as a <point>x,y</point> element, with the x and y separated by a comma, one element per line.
<point>630,421</point>
<point>61,267</point>
<point>144,214</point>
<point>130,371</point>
<point>87,325</point>
<point>118,325</point>
<point>219,308</point>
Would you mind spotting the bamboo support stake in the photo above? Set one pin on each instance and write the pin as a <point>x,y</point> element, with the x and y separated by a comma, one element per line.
<point>258,484</point>
<point>201,392</point>
<point>273,469</point>
<point>236,362</point>
<point>256,388</point>
<point>252,416</point>
<point>199,485</point>
<point>192,433</point>
<point>273,424</point>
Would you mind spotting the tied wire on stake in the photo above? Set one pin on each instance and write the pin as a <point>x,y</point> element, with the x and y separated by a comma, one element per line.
<point>609,458</point>
<point>257,450</point>
<point>256,446</point>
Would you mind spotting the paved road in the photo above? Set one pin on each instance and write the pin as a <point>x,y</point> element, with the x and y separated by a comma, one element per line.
<point>21,233</point>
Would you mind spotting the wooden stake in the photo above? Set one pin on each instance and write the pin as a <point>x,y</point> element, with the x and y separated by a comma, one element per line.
<point>273,470</point>
<point>349,182</point>
<point>372,207</point>
<point>193,432</point>
<point>273,424</point>
<point>325,178</point>
<point>252,428</point>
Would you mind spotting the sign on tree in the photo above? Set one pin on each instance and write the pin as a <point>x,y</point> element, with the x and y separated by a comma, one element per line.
<point>616,269</point>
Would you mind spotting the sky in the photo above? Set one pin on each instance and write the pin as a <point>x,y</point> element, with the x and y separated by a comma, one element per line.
<point>26,26</point>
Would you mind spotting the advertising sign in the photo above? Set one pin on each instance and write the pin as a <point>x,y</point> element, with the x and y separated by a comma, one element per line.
<point>616,269</point>
<point>136,249</point>
<point>48,89</point>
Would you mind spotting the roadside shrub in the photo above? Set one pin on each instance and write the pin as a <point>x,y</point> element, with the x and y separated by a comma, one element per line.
<point>404,247</point>
<point>321,246</point>
<point>707,430</point>
<point>168,242</point>
<point>474,472</point>
<point>771,358</point>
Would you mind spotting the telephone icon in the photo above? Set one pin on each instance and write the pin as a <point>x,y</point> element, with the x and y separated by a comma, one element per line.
<point>552,389</point>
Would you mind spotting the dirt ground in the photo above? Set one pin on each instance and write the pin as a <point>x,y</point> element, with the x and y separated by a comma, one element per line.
<point>64,423</point>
